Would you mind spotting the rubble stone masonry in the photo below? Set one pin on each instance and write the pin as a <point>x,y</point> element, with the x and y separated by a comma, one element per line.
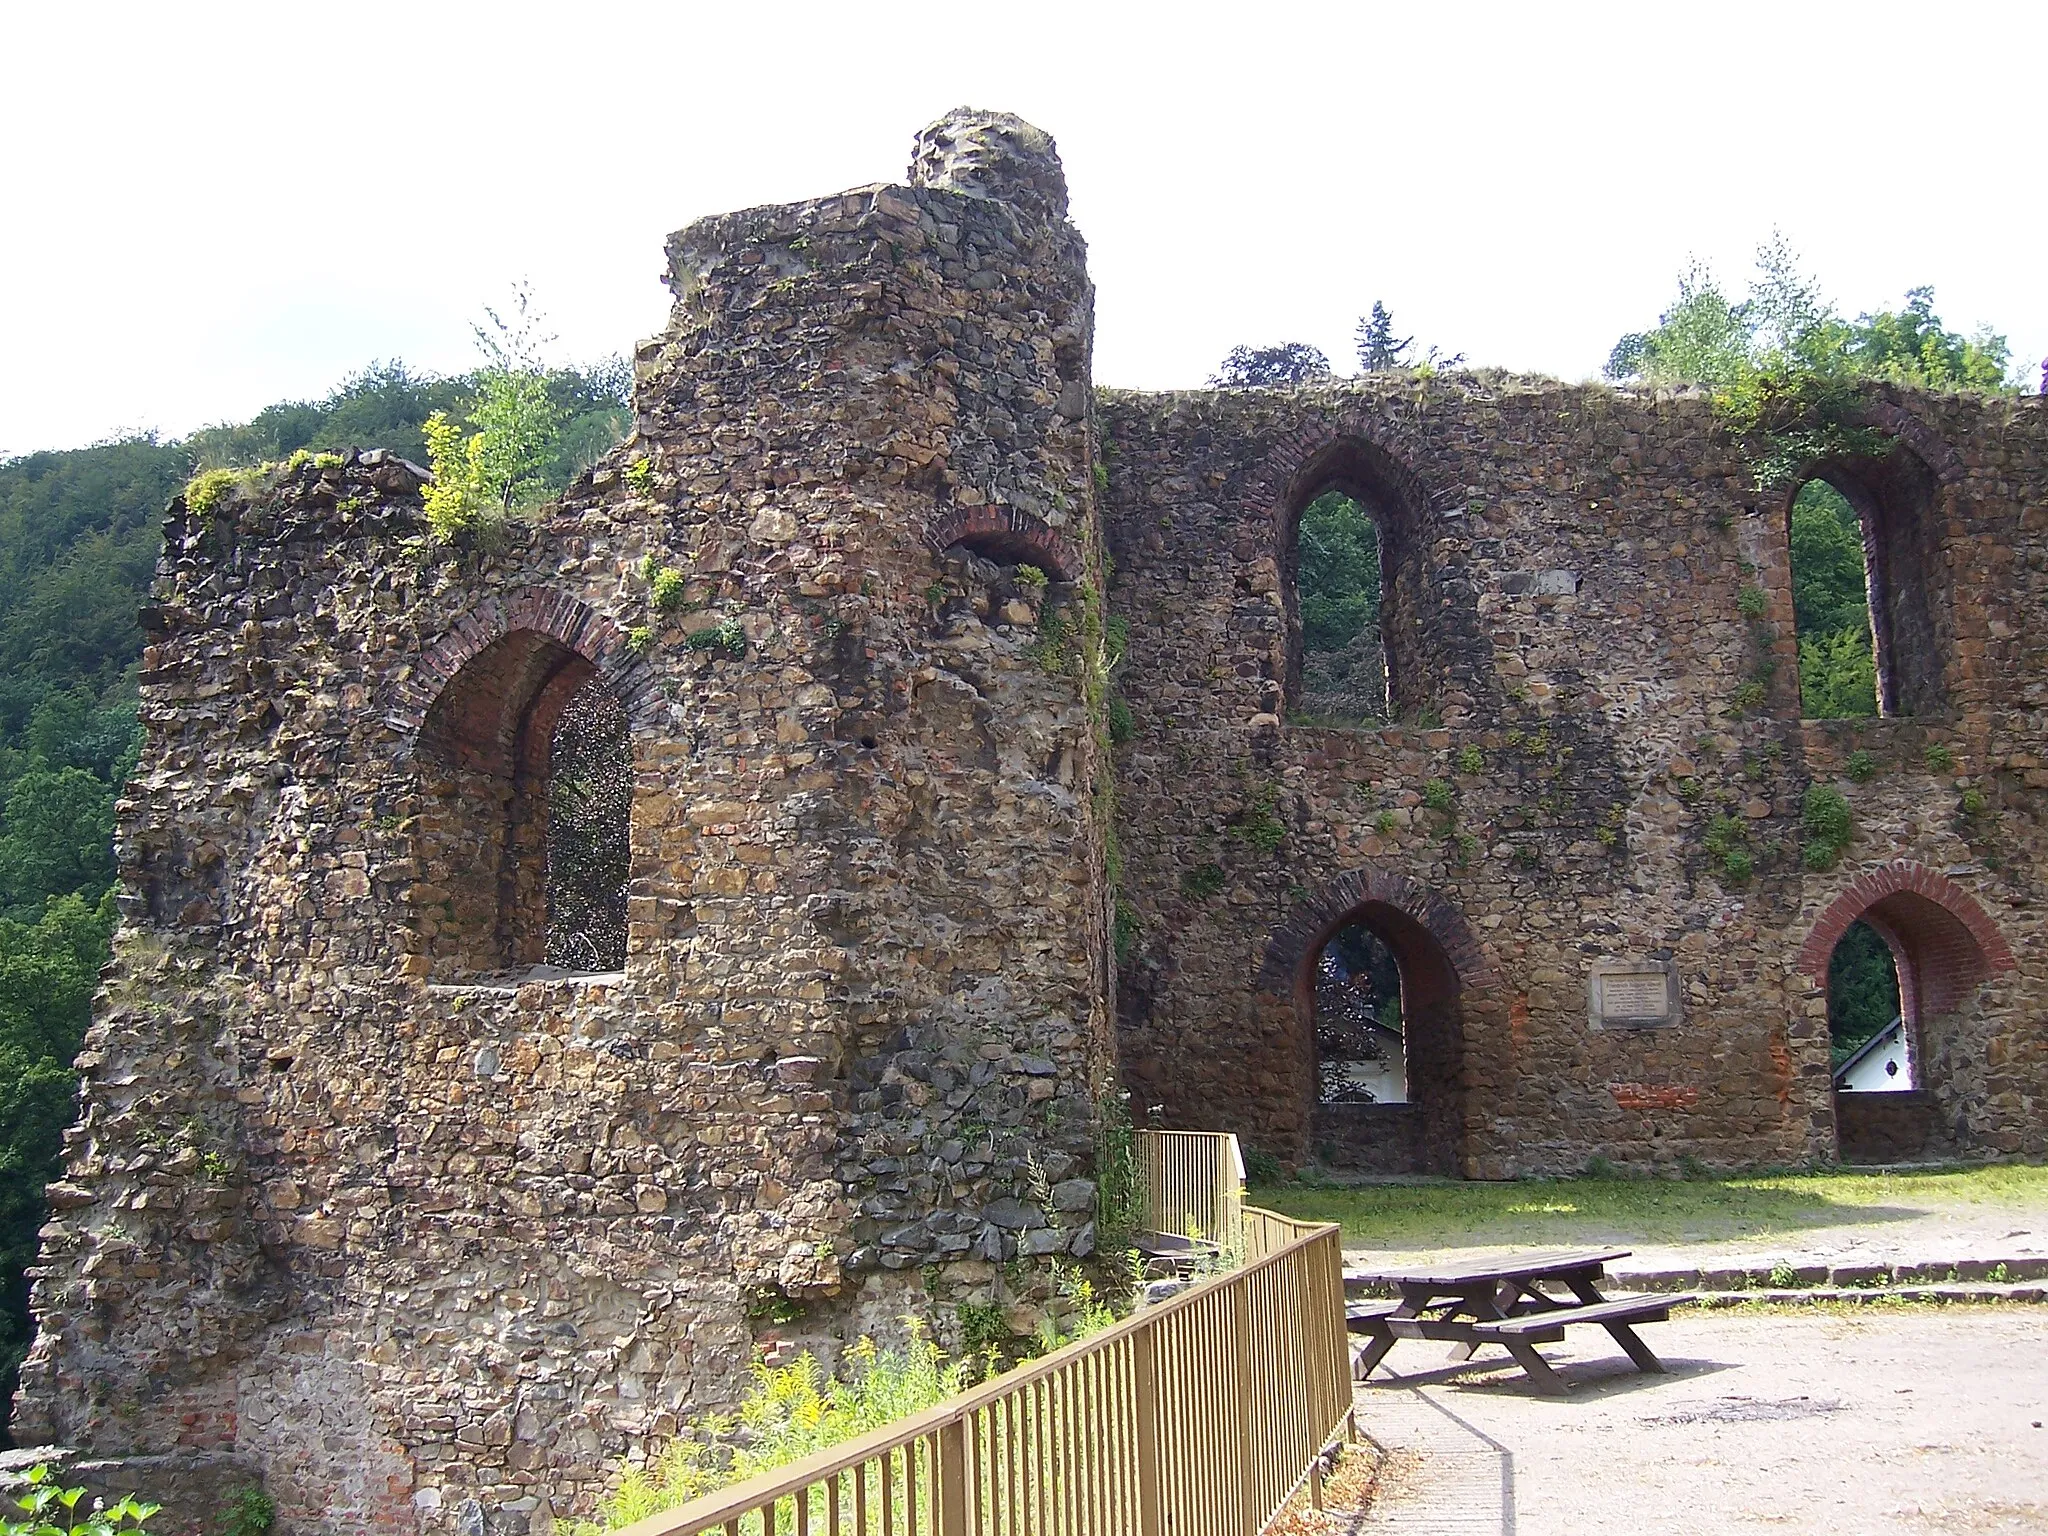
<point>429,1236</point>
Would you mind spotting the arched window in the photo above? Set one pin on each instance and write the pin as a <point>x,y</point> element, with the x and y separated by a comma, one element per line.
<point>525,793</point>
<point>1388,1036</point>
<point>1351,590</point>
<point>1941,947</point>
<point>1868,588</point>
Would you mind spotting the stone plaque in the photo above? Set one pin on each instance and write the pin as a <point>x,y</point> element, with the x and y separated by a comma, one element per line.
<point>1633,994</point>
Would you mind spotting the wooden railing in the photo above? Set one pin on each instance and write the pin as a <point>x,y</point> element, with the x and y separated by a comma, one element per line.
<point>1198,1416</point>
<point>1194,1183</point>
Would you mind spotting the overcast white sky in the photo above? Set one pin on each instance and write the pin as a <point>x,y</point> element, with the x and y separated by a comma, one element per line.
<point>208,207</point>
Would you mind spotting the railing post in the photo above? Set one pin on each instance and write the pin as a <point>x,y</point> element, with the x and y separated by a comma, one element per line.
<point>1240,1345</point>
<point>950,1496</point>
<point>1145,1407</point>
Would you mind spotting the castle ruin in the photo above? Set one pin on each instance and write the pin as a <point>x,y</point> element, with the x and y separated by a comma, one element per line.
<point>388,1192</point>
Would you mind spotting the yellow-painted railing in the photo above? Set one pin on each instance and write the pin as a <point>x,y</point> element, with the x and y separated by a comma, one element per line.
<point>1194,1183</point>
<point>1198,1416</point>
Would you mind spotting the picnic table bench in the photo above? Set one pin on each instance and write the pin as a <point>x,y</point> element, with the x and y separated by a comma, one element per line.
<point>1502,1301</point>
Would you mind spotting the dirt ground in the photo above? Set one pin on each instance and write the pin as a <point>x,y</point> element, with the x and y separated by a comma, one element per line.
<point>1906,1419</point>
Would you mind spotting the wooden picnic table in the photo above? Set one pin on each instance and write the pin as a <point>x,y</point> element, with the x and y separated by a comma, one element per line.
<point>1503,1301</point>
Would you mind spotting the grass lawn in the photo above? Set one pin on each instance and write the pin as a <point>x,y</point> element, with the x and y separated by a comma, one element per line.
<point>1450,1214</point>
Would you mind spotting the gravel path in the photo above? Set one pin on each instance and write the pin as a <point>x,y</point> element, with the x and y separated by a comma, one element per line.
<point>1915,1419</point>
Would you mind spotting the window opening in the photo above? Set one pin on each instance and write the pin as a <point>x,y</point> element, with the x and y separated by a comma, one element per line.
<point>1869,1041</point>
<point>1361,1044</point>
<point>1339,589</point>
<point>1831,602</point>
<point>590,804</point>
<point>525,801</point>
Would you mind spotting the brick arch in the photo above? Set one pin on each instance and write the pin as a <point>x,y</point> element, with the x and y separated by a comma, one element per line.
<point>545,615</point>
<point>1302,461</point>
<point>1929,446</point>
<point>1291,952</point>
<point>1942,940</point>
<point>1005,533</point>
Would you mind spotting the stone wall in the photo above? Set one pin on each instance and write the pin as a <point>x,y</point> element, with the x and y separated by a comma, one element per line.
<point>1589,630</point>
<point>431,1236</point>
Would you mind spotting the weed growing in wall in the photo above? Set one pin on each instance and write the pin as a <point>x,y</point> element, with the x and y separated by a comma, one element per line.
<point>248,1511</point>
<point>1202,881</point>
<point>1861,767</point>
<point>1940,759</point>
<point>1256,824</point>
<point>1122,725</point>
<point>1125,928</point>
<point>1828,825</point>
<point>726,635</point>
<point>667,590</point>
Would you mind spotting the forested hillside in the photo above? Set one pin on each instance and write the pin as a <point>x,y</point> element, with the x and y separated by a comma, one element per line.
<point>79,533</point>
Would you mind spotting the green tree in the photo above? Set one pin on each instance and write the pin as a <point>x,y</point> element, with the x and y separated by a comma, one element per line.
<point>1338,574</point>
<point>1378,350</point>
<point>1863,989</point>
<point>1837,676</point>
<point>1280,367</point>
<point>48,970</point>
<point>1702,338</point>
<point>530,429</point>
<point>56,837</point>
<point>1828,588</point>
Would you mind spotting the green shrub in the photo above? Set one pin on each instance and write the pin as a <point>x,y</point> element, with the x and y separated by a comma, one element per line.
<point>1471,760</point>
<point>1122,727</point>
<point>1828,824</point>
<point>1940,759</point>
<point>640,475</point>
<point>1749,696</point>
<point>1437,794</point>
<point>982,1328</point>
<point>639,641</point>
<point>1737,865</point>
<point>204,491</point>
<point>249,1511</point>
<point>1386,824</point>
<point>1126,927</point>
<point>1202,881</point>
<point>667,589</point>
<point>1753,602</point>
<point>787,1413</point>
<point>1862,767</point>
<point>52,1510</point>
<point>726,635</point>
<point>1262,1169</point>
<point>1973,802</point>
<point>1031,576</point>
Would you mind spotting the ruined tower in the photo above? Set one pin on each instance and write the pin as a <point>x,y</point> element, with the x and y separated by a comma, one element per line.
<point>366,1199</point>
